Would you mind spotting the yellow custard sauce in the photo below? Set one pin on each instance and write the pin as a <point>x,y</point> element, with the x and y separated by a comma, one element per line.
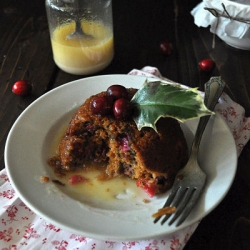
<point>80,55</point>
<point>93,190</point>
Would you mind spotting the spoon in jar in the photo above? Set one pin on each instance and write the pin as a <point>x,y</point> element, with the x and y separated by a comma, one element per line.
<point>78,32</point>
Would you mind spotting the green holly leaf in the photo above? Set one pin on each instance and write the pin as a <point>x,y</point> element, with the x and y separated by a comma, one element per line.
<point>159,99</point>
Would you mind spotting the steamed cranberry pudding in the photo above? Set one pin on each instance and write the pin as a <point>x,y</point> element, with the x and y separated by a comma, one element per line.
<point>103,131</point>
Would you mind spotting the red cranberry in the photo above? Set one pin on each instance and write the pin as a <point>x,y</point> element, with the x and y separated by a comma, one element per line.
<point>166,48</point>
<point>123,140</point>
<point>75,179</point>
<point>207,65</point>
<point>117,91</point>
<point>21,87</point>
<point>102,105</point>
<point>122,109</point>
<point>148,186</point>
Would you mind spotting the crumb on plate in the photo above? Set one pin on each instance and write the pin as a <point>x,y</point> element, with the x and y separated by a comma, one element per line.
<point>164,211</point>
<point>44,179</point>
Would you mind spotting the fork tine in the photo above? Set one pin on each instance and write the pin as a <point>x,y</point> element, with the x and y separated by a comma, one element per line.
<point>165,218</point>
<point>181,192</point>
<point>189,206</point>
<point>168,201</point>
<point>172,196</point>
<point>184,202</point>
<point>182,195</point>
<point>174,199</point>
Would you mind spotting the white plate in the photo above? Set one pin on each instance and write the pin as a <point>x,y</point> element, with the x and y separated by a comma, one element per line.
<point>29,145</point>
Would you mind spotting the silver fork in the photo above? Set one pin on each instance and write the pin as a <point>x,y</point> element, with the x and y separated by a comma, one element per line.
<point>189,181</point>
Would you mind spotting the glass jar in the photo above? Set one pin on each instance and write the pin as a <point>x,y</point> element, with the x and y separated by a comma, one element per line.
<point>81,33</point>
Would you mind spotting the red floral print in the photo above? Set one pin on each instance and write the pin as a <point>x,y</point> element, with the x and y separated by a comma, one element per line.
<point>110,244</point>
<point>25,207</point>
<point>11,212</point>
<point>4,177</point>
<point>78,238</point>
<point>30,232</point>
<point>11,247</point>
<point>51,227</point>
<point>153,245</point>
<point>8,194</point>
<point>6,235</point>
<point>175,244</point>
<point>60,245</point>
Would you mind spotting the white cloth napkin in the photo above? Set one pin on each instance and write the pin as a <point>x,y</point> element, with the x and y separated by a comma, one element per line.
<point>223,26</point>
<point>21,228</point>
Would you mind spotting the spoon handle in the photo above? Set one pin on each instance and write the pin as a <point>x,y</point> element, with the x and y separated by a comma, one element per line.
<point>213,90</point>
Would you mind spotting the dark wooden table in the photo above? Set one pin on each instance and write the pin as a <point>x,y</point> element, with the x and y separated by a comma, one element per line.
<point>139,27</point>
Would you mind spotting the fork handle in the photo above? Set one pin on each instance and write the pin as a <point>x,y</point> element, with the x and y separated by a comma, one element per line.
<point>213,90</point>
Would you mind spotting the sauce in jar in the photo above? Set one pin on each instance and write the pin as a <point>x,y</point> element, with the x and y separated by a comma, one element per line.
<point>79,55</point>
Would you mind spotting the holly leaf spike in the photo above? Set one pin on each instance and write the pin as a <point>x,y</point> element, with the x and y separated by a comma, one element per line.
<point>156,99</point>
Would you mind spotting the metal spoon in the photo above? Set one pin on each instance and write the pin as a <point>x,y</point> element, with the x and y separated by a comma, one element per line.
<point>78,33</point>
